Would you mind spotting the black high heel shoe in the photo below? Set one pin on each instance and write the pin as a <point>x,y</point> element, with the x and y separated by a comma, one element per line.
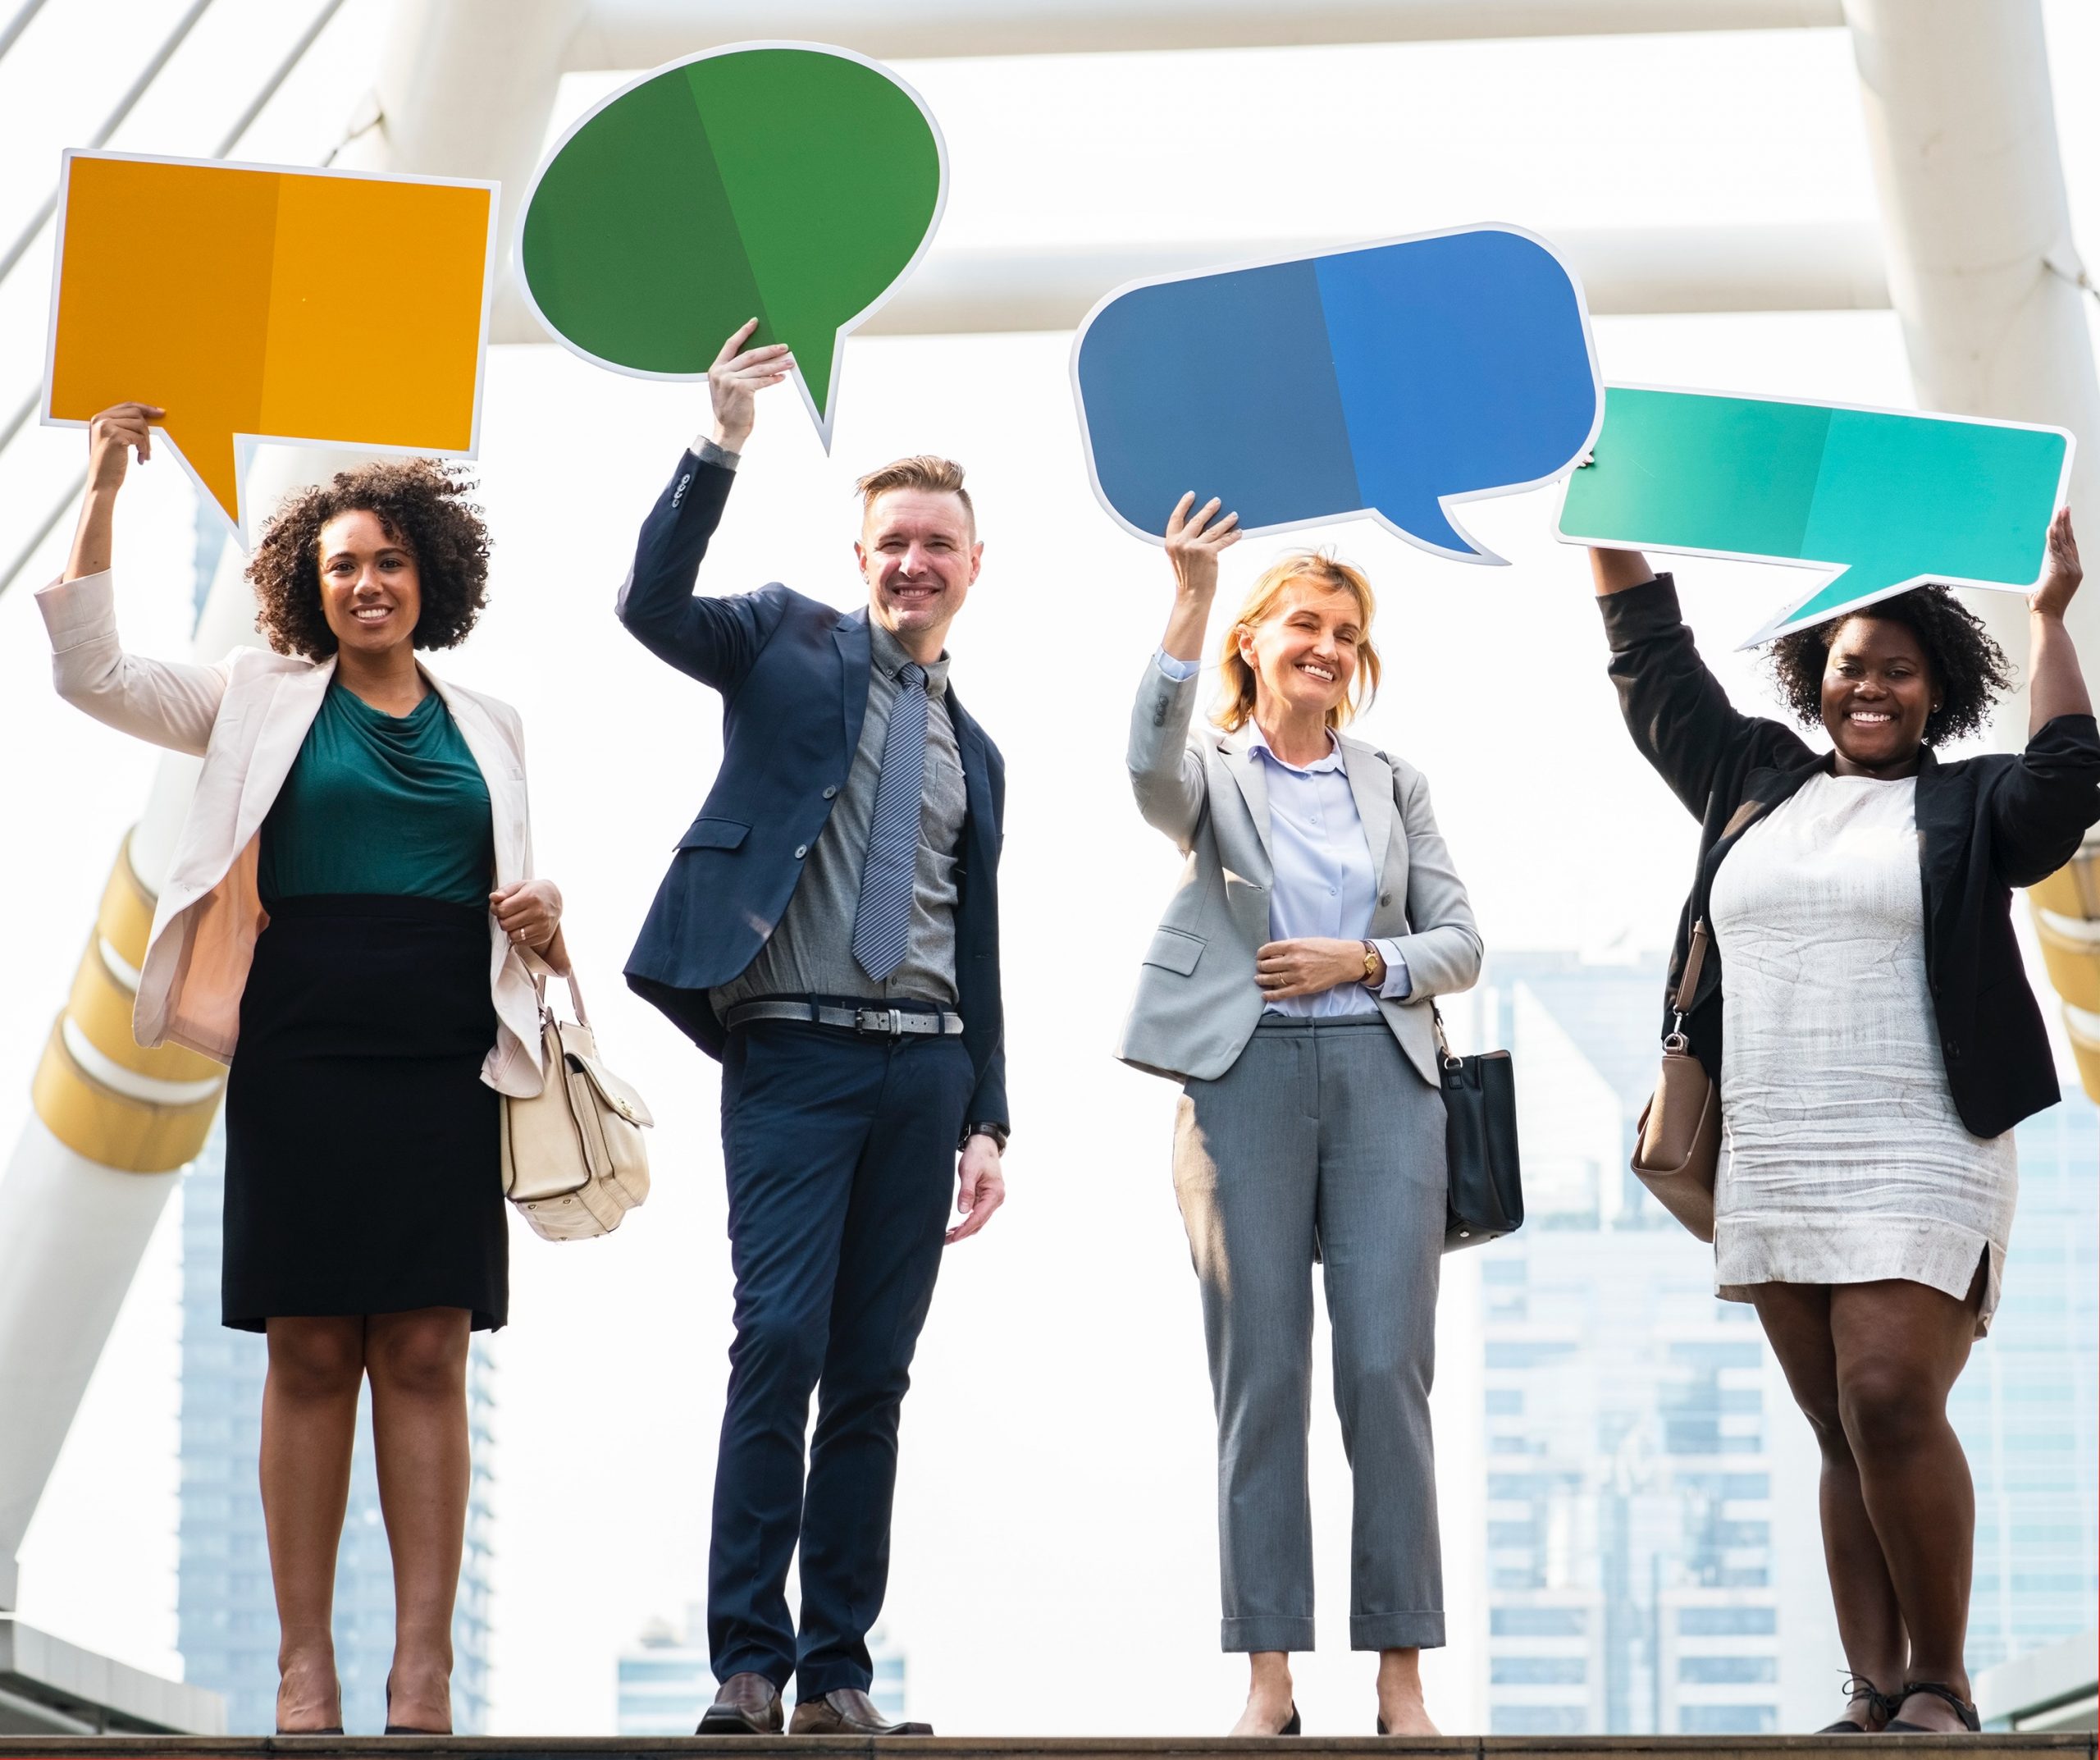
<point>1294,1725</point>
<point>1962,1709</point>
<point>1858,1687</point>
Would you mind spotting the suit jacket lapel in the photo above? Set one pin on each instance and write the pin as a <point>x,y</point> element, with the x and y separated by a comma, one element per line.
<point>295,699</point>
<point>850,634</point>
<point>1370,785</point>
<point>1245,765</point>
<point>500,770</point>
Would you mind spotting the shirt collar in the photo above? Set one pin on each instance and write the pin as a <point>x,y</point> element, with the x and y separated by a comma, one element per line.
<point>886,655</point>
<point>1256,743</point>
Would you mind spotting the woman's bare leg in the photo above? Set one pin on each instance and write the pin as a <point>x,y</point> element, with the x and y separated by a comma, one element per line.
<point>1900,1347</point>
<point>1268,1694</point>
<point>1796,1321</point>
<point>309,1426</point>
<point>417,1362</point>
<point>1399,1694</point>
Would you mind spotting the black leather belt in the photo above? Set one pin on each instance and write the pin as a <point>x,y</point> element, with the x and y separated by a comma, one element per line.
<point>877,1019</point>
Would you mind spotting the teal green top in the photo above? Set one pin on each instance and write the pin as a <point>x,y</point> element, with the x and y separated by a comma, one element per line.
<point>380,803</point>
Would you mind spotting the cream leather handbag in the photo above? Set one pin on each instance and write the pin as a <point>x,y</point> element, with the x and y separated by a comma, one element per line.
<point>574,1162</point>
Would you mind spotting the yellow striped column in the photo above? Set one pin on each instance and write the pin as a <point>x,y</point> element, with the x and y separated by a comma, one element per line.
<point>2066,908</point>
<point>97,1089</point>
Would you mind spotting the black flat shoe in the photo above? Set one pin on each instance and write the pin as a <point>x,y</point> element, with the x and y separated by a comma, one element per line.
<point>1962,1709</point>
<point>1857,1688</point>
<point>1295,1725</point>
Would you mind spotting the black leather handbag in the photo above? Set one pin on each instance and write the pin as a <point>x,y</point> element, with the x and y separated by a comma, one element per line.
<point>1486,1197</point>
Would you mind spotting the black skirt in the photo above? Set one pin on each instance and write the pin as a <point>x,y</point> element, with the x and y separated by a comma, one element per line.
<point>363,1172</point>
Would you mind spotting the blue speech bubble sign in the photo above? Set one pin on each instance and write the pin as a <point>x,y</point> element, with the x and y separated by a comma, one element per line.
<point>1387,380</point>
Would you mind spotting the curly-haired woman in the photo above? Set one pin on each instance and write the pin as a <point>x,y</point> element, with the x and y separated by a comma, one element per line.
<point>343,920</point>
<point>1881,1042</point>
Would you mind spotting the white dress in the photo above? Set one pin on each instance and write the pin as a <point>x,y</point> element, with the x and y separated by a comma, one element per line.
<point>1846,1161</point>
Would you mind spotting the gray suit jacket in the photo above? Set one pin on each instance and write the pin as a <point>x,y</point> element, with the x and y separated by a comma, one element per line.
<point>1197,1004</point>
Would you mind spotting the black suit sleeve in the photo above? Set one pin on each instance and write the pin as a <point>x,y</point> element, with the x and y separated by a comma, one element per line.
<point>713,639</point>
<point>1677,712</point>
<point>988,1105</point>
<point>2043,804</point>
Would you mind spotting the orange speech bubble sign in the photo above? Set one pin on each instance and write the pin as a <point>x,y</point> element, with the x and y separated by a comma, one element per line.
<point>252,303</point>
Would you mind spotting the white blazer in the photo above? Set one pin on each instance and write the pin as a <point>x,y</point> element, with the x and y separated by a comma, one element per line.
<point>247,718</point>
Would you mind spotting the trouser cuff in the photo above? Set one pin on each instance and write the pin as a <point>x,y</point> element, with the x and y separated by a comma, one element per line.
<point>1422,1628</point>
<point>748,1662</point>
<point>1266,1631</point>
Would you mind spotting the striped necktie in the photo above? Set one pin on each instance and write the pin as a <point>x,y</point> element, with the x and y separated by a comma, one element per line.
<point>882,919</point>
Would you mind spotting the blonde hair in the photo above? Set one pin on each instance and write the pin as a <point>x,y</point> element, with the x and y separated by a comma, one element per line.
<point>925,471</point>
<point>1235,708</point>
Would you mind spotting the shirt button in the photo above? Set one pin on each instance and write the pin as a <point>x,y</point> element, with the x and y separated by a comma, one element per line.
<point>801,850</point>
<point>829,793</point>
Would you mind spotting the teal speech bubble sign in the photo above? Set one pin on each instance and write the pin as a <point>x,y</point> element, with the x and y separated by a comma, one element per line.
<point>791,182</point>
<point>1887,497</point>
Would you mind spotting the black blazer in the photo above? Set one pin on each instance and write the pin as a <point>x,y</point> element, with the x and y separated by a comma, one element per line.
<point>1986,824</point>
<point>793,675</point>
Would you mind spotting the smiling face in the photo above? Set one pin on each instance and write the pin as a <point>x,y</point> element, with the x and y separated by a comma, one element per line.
<point>1878,693</point>
<point>371,590</point>
<point>1304,654</point>
<point>919,553</point>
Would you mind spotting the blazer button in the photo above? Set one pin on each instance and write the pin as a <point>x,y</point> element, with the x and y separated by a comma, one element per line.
<point>1385,898</point>
<point>801,850</point>
<point>829,793</point>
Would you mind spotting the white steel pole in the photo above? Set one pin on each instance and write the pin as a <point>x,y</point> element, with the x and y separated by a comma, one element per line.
<point>1983,271</point>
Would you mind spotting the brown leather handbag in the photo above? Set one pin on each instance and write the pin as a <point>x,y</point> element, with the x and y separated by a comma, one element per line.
<point>1677,1150</point>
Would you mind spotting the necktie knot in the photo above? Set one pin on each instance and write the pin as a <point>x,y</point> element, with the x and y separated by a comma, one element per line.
<point>912,673</point>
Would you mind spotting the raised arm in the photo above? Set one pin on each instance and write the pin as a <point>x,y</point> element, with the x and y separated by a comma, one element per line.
<point>1680,717</point>
<point>1166,777</point>
<point>714,639</point>
<point>166,702</point>
<point>2042,807</point>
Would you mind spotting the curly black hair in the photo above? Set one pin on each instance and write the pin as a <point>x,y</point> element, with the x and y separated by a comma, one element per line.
<point>1968,666</point>
<point>423,505</point>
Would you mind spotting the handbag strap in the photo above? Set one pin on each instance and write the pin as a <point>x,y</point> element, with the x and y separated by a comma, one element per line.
<point>1687,984</point>
<point>541,971</point>
<point>1443,1041</point>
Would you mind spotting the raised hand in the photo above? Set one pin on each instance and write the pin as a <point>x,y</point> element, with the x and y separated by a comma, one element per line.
<point>735,380</point>
<point>1194,542</point>
<point>2062,573</point>
<point>112,436</point>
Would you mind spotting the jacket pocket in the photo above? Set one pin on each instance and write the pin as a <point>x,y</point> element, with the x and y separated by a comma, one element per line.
<point>1176,950</point>
<point>713,834</point>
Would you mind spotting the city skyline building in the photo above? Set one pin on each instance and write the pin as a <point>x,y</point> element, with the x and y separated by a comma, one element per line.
<point>226,1620</point>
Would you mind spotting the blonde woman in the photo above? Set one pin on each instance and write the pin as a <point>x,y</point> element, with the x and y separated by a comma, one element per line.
<point>1288,989</point>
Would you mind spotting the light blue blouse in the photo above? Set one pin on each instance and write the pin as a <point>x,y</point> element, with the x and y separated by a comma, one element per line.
<point>1326,882</point>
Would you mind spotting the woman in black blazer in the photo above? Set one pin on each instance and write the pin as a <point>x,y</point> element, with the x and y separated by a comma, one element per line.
<point>1881,1041</point>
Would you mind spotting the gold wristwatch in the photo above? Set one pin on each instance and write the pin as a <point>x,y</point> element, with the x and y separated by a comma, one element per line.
<point>1374,967</point>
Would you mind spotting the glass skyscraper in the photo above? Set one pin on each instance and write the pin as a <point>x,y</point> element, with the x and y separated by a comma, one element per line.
<point>227,1620</point>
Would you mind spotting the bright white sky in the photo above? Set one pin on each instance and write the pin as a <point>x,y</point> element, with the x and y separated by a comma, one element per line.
<point>1054,1553</point>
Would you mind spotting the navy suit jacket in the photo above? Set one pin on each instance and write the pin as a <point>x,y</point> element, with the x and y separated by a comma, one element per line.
<point>793,675</point>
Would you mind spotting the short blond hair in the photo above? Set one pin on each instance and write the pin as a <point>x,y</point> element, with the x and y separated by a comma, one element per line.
<point>1236,707</point>
<point>925,471</point>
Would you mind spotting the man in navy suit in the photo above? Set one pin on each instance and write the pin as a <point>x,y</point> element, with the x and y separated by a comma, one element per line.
<point>830,929</point>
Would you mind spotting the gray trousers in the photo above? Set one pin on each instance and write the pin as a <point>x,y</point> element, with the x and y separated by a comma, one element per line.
<point>1322,1140</point>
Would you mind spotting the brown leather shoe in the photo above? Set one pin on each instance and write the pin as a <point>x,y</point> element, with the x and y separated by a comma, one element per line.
<point>746,1704</point>
<point>847,1711</point>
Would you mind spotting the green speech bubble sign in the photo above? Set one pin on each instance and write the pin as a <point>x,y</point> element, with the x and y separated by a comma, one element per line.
<point>791,182</point>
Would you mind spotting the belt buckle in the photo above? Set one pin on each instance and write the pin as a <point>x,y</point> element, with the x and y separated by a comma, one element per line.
<point>890,1021</point>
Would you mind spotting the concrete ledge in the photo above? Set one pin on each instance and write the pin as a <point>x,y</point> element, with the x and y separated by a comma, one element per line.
<point>1988,1746</point>
<point>49,1686</point>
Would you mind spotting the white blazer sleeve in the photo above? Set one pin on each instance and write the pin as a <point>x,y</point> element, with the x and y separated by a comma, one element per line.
<point>168,702</point>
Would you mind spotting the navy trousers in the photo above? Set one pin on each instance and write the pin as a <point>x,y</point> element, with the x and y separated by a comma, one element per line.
<point>841,1154</point>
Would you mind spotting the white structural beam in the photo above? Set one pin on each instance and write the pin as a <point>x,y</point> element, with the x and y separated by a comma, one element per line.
<point>1803,269</point>
<point>645,33</point>
<point>1976,234</point>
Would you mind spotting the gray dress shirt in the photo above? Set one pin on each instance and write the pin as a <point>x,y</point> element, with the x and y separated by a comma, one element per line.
<point>810,952</point>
